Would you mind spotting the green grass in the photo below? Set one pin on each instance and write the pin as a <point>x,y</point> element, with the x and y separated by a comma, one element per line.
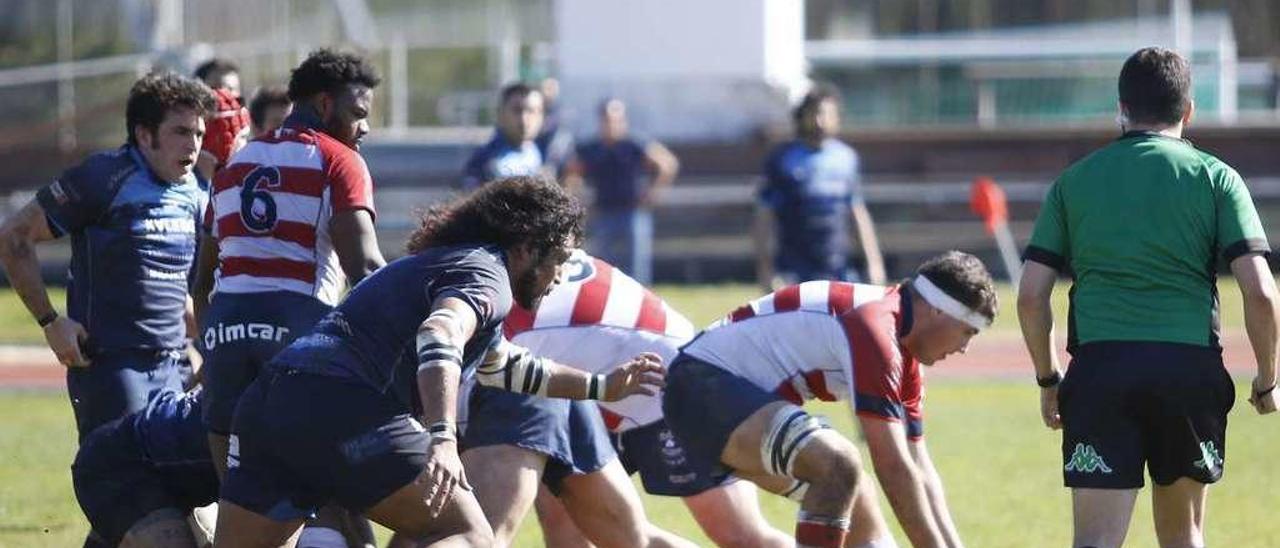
<point>1000,466</point>
<point>16,324</point>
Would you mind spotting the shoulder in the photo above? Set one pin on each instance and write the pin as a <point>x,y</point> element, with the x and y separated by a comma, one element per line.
<point>1216,169</point>
<point>111,167</point>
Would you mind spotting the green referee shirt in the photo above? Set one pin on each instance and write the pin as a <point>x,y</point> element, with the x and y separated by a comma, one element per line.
<point>1141,223</point>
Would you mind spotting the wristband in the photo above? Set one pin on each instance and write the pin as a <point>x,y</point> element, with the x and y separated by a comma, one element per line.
<point>1263,392</point>
<point>595,387</point>
<point>47,319</point>
<point>442,430</point>
<point>1050,381</point>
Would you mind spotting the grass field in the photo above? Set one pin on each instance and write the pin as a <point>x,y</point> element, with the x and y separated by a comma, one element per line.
<point>1000,466</point>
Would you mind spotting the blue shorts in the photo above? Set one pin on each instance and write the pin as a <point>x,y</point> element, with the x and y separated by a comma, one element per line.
<point>570,433</point>
<point>117,483</point>
<point>300,441</point>
<point>664,468</point>
<point>703,404</point>
<point>242,332</point>
<point>119,382</point>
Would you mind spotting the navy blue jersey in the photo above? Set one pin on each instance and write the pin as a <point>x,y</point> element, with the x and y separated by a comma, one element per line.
<point>371,337</point>
<point>810,191</point>
<point>499,158</point>
<point>169,431</point>
<point>133,240</point>
<point>617,171</point>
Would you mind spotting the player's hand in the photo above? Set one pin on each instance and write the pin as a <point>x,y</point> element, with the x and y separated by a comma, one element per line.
<point>1262,396</point>
<point>64,336</point>
<point>1049,407</point>
<point>443,473</point>
<point>644,374</point>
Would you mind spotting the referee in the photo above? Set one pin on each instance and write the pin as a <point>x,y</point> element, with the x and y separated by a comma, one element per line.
<point>1141,224</point>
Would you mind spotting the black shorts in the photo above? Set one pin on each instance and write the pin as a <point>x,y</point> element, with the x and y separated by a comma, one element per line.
<point>1125,404</point>
<point>652,450</point>
<point>300,441</point>
<point>570,433</point>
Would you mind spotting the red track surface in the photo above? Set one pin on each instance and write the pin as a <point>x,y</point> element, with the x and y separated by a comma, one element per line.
<point>999,356</point>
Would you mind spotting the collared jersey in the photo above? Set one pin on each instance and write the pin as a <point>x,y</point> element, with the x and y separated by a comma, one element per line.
<point>824,340</point>
<point>271,208</point>
<point>597,319</point>
<point>133,242</point>
<point>371,336</point>
<point>498,159</point>
<point>810,191</point>
<point>1142,224</point>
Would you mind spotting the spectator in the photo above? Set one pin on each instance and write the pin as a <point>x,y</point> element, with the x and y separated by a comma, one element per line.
<point>809,184</point>
<point>629,176</point>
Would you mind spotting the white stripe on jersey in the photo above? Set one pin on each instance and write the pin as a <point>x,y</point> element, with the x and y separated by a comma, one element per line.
<point>289,207</point>
<point>815,296</point>
<point>244,283</point>
<point>282,154</point>
<point>863,293</point>
<point>556,309</point>
<point>623,305</point>
<point>678,326</point>
<point>265,248</point>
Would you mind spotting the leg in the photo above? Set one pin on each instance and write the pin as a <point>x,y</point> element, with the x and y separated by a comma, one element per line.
<point>344,527</point>
<point>868,526</point>
<point>1102,516</point>
<point>461,523</point>
<point>558,529</point>
<point>239,527</point>
<point>607,509</point>
<point>1178,509</point>
<point>163,528</point>
<point>826,460</point>
<point>505,479</point>
<point>730,516</point>
<point>640,246</point>
<point>115,386</point>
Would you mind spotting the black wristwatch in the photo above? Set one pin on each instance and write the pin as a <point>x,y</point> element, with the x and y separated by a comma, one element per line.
<point>47,319</point>
<point>1050,381</point>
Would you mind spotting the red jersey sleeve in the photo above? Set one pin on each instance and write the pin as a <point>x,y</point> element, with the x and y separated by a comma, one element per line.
<point>351,186</point>
<point>879,383</point>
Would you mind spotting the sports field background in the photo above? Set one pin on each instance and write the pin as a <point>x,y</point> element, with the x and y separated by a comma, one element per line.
<point>1000,465</point>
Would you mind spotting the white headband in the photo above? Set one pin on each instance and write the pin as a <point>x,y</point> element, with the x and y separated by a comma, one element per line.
<point>947,304</point>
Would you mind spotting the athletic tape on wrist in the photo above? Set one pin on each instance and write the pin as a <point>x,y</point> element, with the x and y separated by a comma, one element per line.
<point>948,304</point>
<point>596,387</point>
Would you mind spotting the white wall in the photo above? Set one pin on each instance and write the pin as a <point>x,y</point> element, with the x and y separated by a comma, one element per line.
<point>690,69</point>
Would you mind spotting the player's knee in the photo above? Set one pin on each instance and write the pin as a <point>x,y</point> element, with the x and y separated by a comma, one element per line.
<point>838,464</point>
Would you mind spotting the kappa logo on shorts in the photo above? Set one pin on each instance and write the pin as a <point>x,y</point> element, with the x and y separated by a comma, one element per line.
<point>1086,460</point>
<point>1210,459</point>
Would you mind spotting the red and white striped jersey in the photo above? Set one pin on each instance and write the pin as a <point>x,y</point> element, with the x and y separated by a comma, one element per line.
<point>823,340</point>
<point>270,213</point>
<point>596,293</point>
<point>596,320</point>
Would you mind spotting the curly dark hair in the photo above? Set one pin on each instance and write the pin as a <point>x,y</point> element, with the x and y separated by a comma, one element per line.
<point>155,94</point>
<point>214,69</point>
<point>327,70</point>
<point>510,212</point>
<point>1155,86</point>
<point>965,279</point>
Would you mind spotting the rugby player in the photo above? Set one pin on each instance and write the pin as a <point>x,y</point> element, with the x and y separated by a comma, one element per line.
<point>138,477</point>
<point>268,110</point>
<point>132,215</point>
<point>336,415</point>
<point>227,127</point>
<point>511,151</point>
<point>593,319</point>
<point>291,220</point>
<point>733,396</point>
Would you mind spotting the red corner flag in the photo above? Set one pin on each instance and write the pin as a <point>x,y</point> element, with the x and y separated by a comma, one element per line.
<point>987,200</point>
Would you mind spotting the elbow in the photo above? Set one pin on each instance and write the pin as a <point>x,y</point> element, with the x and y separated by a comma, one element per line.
<point>11,244</point>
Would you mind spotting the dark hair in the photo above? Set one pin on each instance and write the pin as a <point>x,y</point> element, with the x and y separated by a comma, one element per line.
<point>1155,86</point>
<point>510,212</point>
<point>264,98</point>
<point>154,95</point>
<point>811,101</point>
<point>215,69</point>
<point>326,71</point>
<point>603,108</point>
<point>964,278</point>
<point>518,89</point>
